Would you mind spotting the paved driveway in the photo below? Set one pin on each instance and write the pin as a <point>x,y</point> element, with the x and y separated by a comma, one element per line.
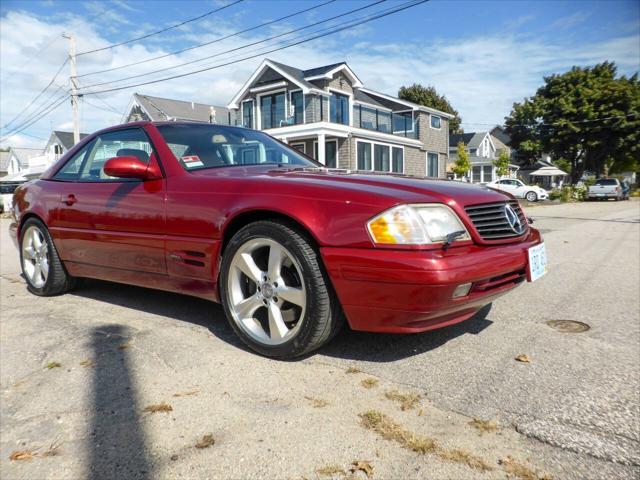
<point>116,352</point>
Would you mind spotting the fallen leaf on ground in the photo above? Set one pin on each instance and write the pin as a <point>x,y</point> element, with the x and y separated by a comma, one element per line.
<point>524,358</point>
<point>18,455</point>
<point>186,394</point>
<point>51,365</point>
<point>160,407</point>
<point>369,382</point>
<point>206,441</point>
<point>124,346</point>
<point>362,465</point>
<point>87,363</point>
<point>317,402</point>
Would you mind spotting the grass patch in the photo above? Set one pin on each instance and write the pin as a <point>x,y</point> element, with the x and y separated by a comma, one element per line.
<point>206,441</point>
<point>317,402</point>
<point>352,370</point>
<point>516,469</point>
<point>330,471</point>
<point>484,426</point>
<point>187,394</point>
<point>158,408</point>
<point>369,382</point>
<point>52,365</point>
<point>390,430</point>
<point>407,401</point>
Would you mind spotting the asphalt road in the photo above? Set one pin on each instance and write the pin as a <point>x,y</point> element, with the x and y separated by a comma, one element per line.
<point>572,412</point>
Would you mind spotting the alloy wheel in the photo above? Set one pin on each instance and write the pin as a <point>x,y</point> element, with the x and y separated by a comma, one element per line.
<point>35,257</point>
<point>266,292</point>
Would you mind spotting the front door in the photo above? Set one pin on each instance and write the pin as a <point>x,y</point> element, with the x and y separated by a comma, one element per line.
<point>107,221</point>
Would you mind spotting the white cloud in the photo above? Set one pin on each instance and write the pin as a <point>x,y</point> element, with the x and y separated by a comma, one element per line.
<point>482,76</point>
<point>571,21</point>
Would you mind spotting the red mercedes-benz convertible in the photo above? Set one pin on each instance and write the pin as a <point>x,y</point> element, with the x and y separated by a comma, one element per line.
<point>288,247</point>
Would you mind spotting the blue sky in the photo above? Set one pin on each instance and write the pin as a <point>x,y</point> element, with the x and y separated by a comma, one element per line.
<point>483,55</point>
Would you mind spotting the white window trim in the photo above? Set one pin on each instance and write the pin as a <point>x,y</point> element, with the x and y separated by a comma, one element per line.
<point>373,156</point>
<point>350,107</point>
<point>267,94</point>
<point>304,146</point>
<point>304,110</point>
<point>431,115</point>
<point>333,140</point>
<point>253,112</point>
<point>426,170</point>
<point>270,86</point>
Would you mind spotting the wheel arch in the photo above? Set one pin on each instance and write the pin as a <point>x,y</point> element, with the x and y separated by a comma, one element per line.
<point>241,219</point>
<point>24,219</point>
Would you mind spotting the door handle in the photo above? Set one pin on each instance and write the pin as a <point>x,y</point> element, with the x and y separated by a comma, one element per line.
<point>70,200</point>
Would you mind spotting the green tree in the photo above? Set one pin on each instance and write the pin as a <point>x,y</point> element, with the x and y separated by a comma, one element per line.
<point>462,165</point>
<point>502,164</point>
<point>428,97</point>
<point>588,118</point>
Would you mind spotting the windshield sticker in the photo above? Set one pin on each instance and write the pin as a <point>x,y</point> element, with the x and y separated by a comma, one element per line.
<point>192,161</point>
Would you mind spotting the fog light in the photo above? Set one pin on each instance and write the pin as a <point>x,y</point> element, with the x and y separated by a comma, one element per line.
<point>462,290</point>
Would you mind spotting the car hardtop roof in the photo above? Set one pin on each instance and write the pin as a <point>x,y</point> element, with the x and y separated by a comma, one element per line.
<point>142,123</point>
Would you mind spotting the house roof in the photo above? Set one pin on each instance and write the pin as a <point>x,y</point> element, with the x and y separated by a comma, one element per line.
<point>24,154</point>
<point>471,140</point>
<point>500,133</point>
<point>4,161</point>
<point>159,108</point>
<point>65,138</point>
<point>294,72</point>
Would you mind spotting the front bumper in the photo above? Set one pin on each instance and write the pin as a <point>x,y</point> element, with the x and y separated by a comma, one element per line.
<point>410,291</point>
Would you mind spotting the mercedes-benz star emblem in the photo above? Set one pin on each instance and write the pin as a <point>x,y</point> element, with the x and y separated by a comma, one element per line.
<point>513,219</point>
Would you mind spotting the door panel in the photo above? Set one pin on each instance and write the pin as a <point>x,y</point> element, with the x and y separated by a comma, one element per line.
<point>110,222</point>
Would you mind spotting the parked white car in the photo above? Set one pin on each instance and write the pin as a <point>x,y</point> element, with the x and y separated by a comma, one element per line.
<point>519,189</point>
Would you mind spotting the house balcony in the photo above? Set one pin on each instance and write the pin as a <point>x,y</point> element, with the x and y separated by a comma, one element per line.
<point>403,124</point>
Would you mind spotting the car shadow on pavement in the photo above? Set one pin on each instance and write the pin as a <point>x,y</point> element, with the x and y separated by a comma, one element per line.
<point>380,347</point>
<point>348,344</point>
<point>117,443</point>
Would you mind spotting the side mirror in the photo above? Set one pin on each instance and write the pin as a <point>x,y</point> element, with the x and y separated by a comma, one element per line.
<point>126,167</point>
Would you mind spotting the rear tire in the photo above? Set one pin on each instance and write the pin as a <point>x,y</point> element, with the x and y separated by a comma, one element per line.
<point>284,305</point>
<point>41,265</point>
<point>531,196</point>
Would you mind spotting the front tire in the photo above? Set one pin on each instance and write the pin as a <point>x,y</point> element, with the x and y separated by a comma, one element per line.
<point>275,292</point>
<point>531,196</point>
<point>41,266</point>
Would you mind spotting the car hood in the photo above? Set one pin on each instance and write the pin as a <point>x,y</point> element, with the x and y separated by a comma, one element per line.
<point>365,187</point>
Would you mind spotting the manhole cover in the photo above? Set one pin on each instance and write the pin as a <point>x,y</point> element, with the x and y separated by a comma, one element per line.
<point>568,326</point>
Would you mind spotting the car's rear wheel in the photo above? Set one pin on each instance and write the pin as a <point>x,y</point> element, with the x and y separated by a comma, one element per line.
<point>41,266</point>
<point>275,292</point>
<point>531,196</point>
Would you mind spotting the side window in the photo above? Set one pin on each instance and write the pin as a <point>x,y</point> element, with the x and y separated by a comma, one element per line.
<point>69,172</point>
<point>131,143</point>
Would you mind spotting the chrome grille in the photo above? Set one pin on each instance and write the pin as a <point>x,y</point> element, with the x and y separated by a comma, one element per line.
<point>490,220</point>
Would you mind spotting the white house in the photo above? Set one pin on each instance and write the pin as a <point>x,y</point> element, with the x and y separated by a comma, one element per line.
<point>483,151</point>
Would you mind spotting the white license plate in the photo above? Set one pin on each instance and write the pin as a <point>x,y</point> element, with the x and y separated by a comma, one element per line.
<point>537,266</point>
<point>600,194</point>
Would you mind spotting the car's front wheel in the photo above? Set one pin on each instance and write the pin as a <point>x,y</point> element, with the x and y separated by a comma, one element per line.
<point>531,196</point>
<point>41,265</point>
<point>275,292</point>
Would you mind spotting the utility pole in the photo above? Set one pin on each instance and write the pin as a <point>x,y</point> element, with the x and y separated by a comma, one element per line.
<point>74,86</point>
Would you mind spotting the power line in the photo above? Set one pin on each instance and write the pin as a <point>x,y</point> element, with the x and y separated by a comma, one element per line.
<point>402,7</point>
<point>240,47</point>
<point>42,114</point>
<point>162,30</point>
<point>555,124</point>
<point>37,96</point>
<point>220,39</point>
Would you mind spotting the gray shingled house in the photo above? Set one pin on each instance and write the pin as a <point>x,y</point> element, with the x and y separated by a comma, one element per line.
<point>146,107</point>
<point>328,113</point>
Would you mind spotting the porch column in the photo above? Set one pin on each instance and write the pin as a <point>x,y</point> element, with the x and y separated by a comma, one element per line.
<point>321,141</point>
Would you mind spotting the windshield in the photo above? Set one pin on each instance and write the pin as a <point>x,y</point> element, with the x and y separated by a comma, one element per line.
<point>607,181</point>
<point>211,146</point>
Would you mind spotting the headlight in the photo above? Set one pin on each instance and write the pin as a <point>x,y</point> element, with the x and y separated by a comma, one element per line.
<point>415,225</point>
